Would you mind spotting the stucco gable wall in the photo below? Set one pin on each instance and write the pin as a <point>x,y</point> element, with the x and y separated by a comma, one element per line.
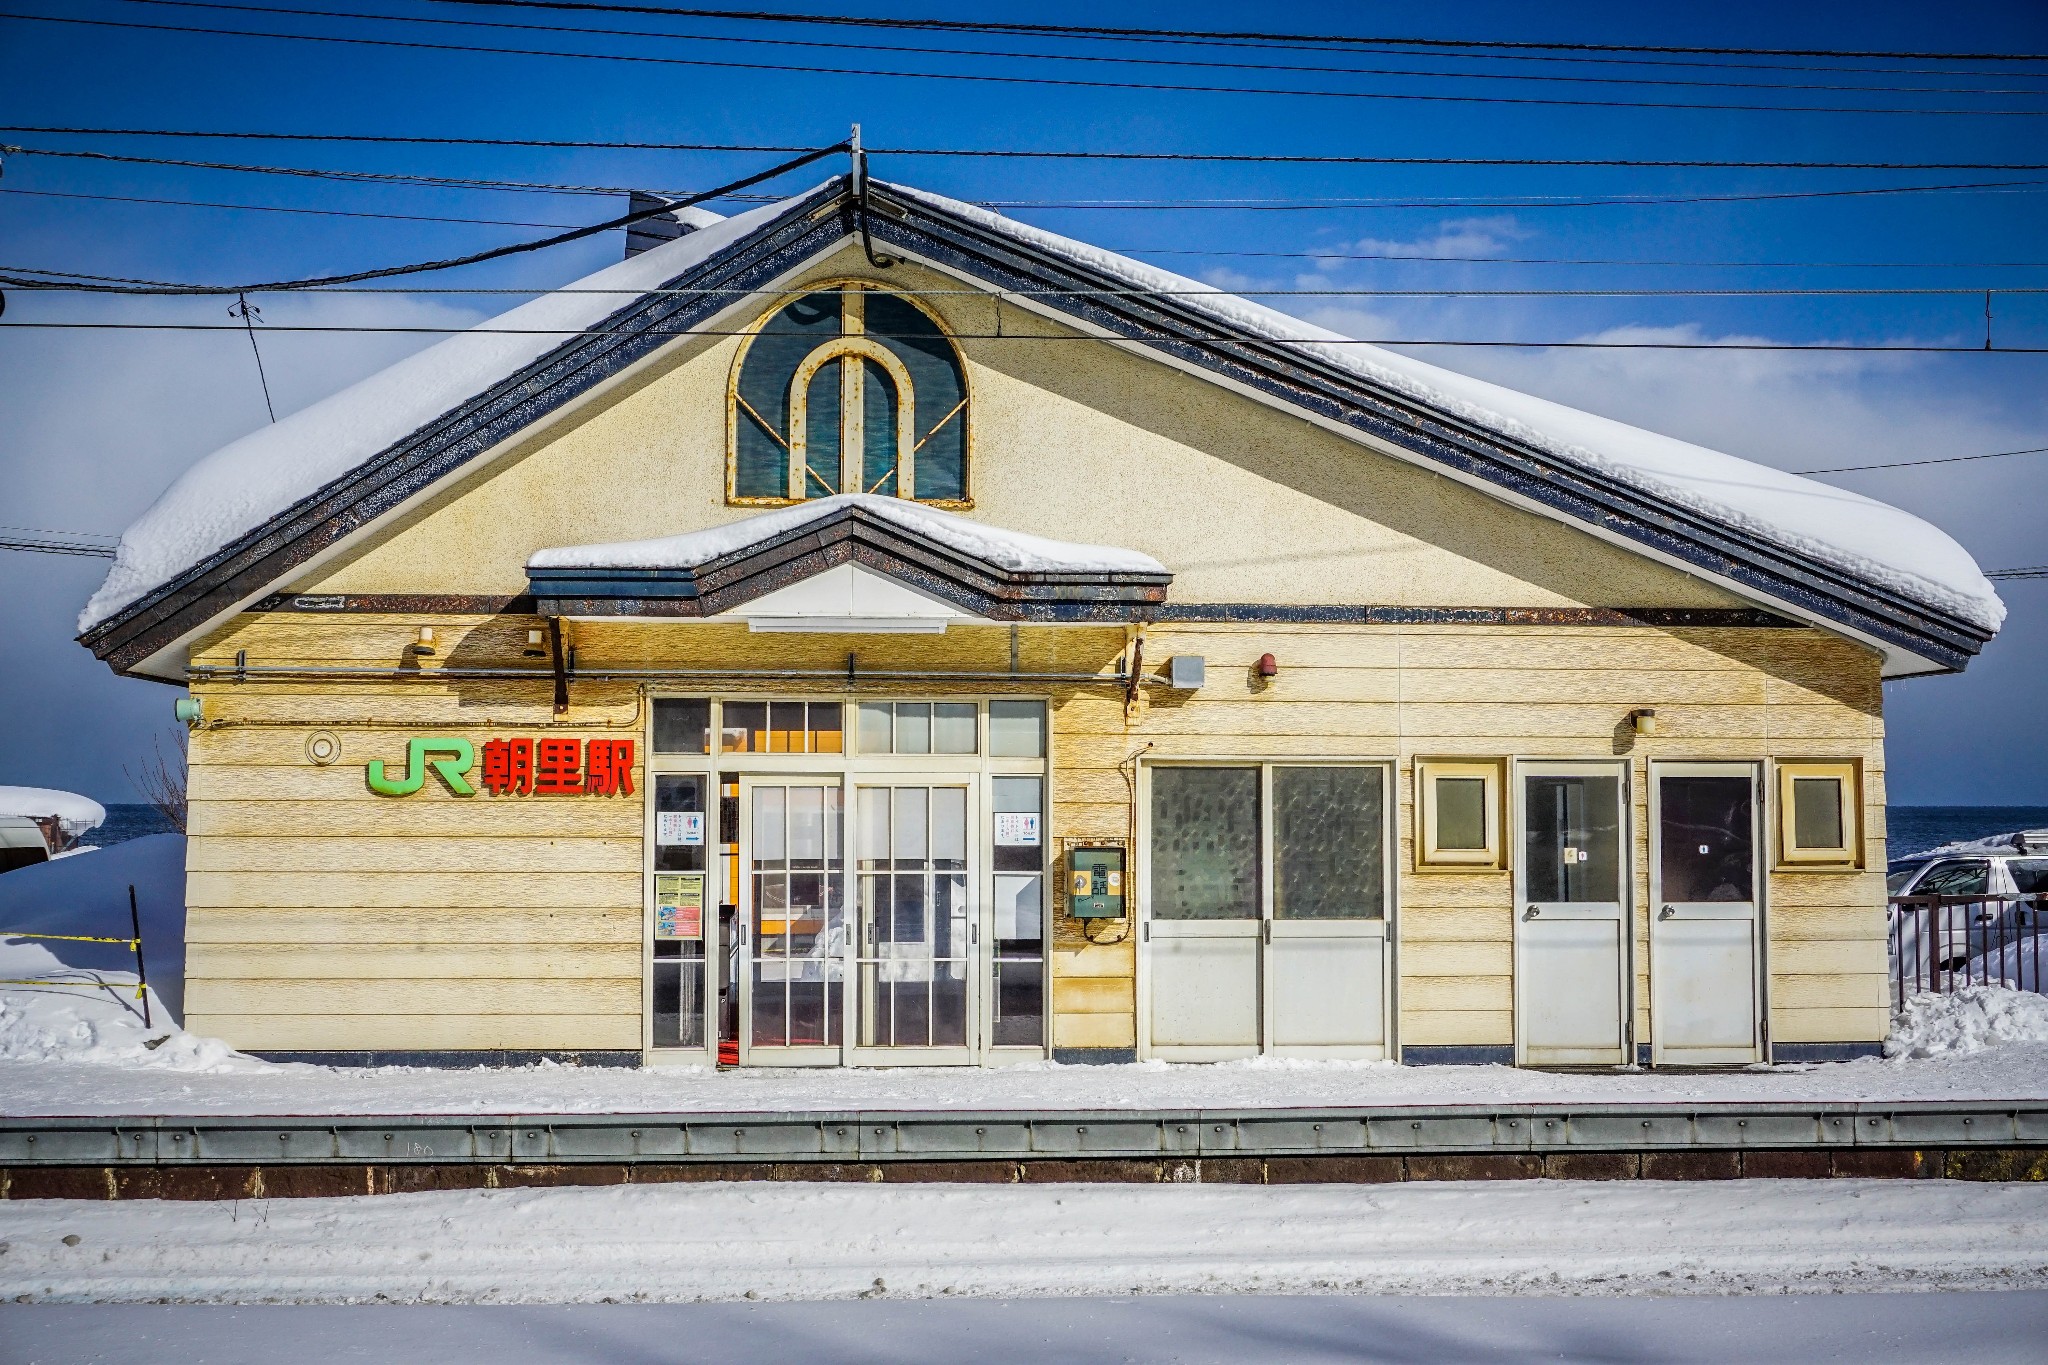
<point>1072,438</point>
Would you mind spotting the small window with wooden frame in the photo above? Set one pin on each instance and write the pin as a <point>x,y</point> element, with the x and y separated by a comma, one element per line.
<point>1819,801</point>
<point>848,389</point>
<point>1458,805</point>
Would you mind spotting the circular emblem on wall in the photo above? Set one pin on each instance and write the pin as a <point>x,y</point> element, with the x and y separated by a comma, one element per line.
<point>322,747</point>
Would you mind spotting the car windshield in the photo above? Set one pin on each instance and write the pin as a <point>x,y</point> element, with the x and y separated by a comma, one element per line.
<point>2030,875</point>
<point>1956,877</point>
<point>1900,874</point>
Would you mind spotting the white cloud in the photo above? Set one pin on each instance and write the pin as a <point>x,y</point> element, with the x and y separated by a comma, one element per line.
<point>1453,237</point>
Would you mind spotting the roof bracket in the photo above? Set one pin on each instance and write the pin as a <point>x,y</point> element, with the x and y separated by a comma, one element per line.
<point>860,203</point>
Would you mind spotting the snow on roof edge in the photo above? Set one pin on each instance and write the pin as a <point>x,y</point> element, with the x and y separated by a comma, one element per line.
<point>1014,550</point>
<point>242,485</point>
<point>1871,540</point>
<point>75,813</point>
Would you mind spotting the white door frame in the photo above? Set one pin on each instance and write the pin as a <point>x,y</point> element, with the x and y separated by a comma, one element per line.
<point>1760,825</point>
<point>1523,908</point>
<point>751,1054</point>
<point>1266,928</point>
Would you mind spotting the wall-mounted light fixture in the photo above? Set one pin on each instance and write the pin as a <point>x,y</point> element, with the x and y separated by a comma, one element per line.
<point>536,644</point>
<point>1644,718</point>
<point>188,710</point>
<point>1269,667</point>
<point>425,643</point>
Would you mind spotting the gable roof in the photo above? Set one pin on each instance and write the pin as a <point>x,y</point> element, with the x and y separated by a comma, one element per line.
<point>264,508</point>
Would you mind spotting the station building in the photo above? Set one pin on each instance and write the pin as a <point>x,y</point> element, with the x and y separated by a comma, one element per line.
<point>868,630</point>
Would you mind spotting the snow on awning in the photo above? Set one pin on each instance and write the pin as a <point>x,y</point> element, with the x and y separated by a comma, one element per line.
<point>888,559</point>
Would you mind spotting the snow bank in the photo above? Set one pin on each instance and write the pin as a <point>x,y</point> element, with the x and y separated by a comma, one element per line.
<point>244,484</point>
<point>685,1243</point>
<point>75,813</point>
<point>1012,550</point>
<point>89,896</point>
<point>1869,539</point>
<point>94,1019</point>
<point>1969,1019</point>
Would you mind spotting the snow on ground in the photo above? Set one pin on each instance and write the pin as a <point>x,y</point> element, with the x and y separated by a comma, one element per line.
<point>1013,550</point>
<point>89,896</point>
<point>686,1243</point>
<point>1969,1019</point>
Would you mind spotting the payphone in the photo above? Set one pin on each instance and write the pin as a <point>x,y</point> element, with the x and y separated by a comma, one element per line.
<point>1095,883</point>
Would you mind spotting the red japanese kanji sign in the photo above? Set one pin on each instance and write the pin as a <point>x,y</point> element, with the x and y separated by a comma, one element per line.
<point>558,766</point>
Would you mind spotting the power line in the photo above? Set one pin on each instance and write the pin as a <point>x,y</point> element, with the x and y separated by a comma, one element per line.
<point>36,540</point>
<point>1545,202</point>
<point>1011,154</point>
<point>1845,347</point>
<point>279,208</point>
<point>1116,59</point>
<point>476,257</point>
<point>1908,464</point>
<point>985,77</point>
<point>1347,49</point>
<point>1094,30</point>
<point>2033,571</point>
<point>1582,260</point>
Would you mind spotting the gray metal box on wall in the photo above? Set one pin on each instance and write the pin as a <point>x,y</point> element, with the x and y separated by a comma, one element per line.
<point>1186,672</point>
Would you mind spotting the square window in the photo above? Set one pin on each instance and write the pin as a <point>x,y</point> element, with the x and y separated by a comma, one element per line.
<point>1817,804</point>
<point>1458,813</point>
<point>1016,729</point>
<point>953,728</point>
<point>682,725</point>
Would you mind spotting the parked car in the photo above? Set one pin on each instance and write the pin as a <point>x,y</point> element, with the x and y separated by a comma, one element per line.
<point>2006,877</point>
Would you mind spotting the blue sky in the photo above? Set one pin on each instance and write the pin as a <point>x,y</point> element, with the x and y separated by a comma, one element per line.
<point>96,423</point>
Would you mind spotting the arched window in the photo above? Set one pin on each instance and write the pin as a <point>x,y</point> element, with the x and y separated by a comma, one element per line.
<point>848,390</point>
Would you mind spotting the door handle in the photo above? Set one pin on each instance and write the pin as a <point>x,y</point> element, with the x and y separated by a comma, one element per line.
<point>1534,913</point>
<point>1669,912</point>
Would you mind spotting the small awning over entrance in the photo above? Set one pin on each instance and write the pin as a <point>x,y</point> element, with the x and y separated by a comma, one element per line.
<point>854,562</point>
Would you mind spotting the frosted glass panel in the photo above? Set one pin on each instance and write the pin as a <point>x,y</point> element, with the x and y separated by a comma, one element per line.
<point>1329,837</point>
<point>874,824</point>
<point>768,808</point>
<point>1205,843</point>
<point>909,841</point>
<point>875,719</point>
<point>1016,729</point>
<point>949,823</point>
<point>1461,813</point>
<point>1816,812</point>
<point>806,823</point>
<point>953,728</point>
<point>913,727</point>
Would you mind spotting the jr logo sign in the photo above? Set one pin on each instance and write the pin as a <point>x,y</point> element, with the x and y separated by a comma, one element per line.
<point>453,770</point>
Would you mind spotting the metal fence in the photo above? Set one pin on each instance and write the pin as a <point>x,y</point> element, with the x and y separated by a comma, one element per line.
<point>1942,943</point>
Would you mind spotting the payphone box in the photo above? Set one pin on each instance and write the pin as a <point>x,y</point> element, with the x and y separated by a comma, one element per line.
<point>1095,883</point>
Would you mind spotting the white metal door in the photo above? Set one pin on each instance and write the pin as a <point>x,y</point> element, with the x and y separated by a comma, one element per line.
<point>792,920</point>
<point>1266,904</point>
<point>1327,970</point>
<point>1204,921</point>
<point>1706,942</point>
<point>918,964</point>
<point>1571,914</point>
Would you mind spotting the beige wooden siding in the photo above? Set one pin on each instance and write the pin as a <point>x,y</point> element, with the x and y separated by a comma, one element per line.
<point>323,916</point>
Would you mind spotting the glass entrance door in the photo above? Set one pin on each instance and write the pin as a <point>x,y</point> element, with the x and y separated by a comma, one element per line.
<point>917,931</point>
<point>793,888</point>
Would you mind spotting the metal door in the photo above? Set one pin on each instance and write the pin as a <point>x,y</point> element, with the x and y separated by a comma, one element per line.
<point>1706,945</point>
<point>1204,923</point>
<point>792,920</point>
<point>918,967</point>
<point>1327,969</point>
<point>1571,920</point>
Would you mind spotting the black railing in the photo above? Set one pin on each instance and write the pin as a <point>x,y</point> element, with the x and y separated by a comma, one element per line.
<point>1942,943</point>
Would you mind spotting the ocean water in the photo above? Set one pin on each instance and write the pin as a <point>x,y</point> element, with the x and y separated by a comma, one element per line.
<point>1913,829</point>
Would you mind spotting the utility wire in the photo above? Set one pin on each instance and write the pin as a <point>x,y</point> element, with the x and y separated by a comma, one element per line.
<point>515,248</point>
<point>1095,30</point>
<point>2033,571</point>
<point>1908,464</point>
<point>1396,257</point>
<point>1021,153</point>
<point>1845,347</point>
<point>1108,58</point>
<point>985,77</point>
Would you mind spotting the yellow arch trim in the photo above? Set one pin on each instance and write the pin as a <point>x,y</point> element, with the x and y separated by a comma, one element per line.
<point>852,414</point>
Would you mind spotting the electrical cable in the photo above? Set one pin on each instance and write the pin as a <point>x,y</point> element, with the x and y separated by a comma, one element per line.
<point>2033,571</point>
<point>985,77</point>
<point>1908,464</point>
<point>1107,59</point>
<point>512,249</point>
<point>279,208</point>
<point>1095,30</point>
<point>1842,347</point>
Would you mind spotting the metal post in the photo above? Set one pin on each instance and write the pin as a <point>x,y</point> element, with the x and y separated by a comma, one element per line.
<point>141,970</point>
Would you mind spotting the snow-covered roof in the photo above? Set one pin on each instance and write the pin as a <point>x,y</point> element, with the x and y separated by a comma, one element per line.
<point>76,814</point>
<point>1012,550</point>
<point>247,482</point>
<point>1869,539</point>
